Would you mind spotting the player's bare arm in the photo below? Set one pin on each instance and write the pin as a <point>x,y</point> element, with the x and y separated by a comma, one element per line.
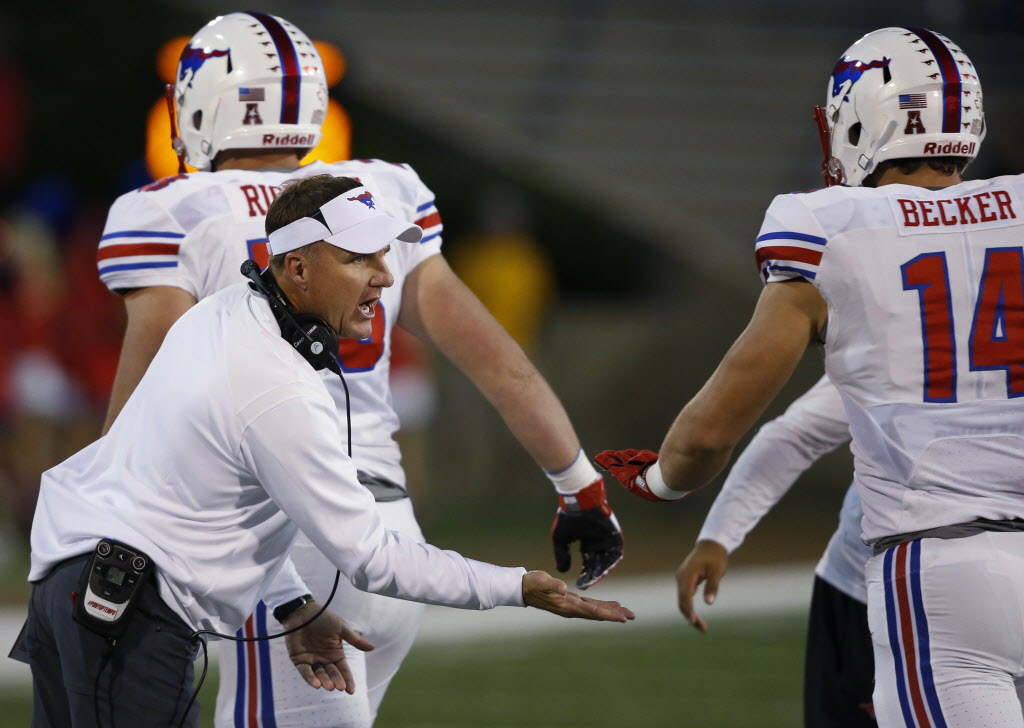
<point>788,317</point>
<point>438,307</point>
<point>151,313</point>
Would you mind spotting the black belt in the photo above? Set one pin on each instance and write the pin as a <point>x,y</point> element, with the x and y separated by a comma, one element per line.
<point>383,490</point>
<point>956,530</point>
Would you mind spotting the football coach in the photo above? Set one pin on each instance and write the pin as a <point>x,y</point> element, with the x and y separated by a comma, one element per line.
<point>180,518</point>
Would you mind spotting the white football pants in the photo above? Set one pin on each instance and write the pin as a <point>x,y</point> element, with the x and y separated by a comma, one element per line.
<point>947,622</point>
<point>259,686</point>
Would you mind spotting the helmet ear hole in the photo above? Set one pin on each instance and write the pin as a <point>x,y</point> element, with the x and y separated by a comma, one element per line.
<point>886,74</point>
<point>197,119</point>
<point>853,135</point>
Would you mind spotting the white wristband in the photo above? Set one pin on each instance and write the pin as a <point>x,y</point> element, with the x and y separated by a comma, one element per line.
<point>576,477</point>
<point>656,484</point>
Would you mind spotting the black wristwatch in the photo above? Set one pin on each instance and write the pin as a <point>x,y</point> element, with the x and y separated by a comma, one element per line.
<point>286,610</point>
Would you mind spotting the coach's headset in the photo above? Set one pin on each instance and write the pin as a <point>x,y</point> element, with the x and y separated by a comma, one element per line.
<point>308,334</point>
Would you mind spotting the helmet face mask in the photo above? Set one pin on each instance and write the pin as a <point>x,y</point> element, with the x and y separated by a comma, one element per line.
<point>248,81</point>
<point>901,93</point>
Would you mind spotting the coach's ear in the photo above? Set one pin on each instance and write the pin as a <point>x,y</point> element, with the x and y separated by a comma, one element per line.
<point>296,269</point>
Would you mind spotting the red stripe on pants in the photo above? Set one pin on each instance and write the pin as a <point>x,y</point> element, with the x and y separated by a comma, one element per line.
<point>251,684</point>
<point>907,634</point>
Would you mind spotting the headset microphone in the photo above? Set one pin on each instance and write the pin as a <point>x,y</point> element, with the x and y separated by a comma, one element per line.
<point>309,334</point>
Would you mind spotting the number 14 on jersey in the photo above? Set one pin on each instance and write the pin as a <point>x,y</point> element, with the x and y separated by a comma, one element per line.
<point>997,330</point>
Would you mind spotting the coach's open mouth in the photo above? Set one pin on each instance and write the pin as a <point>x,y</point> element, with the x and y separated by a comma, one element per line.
<point>369,307</point>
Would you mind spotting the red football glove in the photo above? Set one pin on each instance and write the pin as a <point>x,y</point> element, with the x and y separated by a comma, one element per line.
<point>629,467</point>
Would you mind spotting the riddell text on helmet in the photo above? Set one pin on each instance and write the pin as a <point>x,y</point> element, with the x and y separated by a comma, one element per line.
<point>287,140</point>
<point>964,148</point>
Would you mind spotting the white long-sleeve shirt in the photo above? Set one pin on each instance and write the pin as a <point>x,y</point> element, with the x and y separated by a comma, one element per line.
<point>230,443</point>
<point>815,424</point>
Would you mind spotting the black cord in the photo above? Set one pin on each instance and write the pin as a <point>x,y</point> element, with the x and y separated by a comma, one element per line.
<point>348,410</point>
<point>198,634</point>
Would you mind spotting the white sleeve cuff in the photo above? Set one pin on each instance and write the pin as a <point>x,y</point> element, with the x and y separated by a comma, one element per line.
<point>286,585</point>
<point>507,587</point>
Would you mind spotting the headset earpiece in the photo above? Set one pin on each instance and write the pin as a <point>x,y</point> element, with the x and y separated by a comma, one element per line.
<point>308,334</point>
<point>314,338</point>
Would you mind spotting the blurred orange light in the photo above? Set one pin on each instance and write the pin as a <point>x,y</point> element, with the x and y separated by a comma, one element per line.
<point>335,64</point>
<point>168,56</point>
<point>336,144</point>
<point>161,161</point>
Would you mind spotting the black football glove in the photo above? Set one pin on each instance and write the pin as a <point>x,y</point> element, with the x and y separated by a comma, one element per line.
<point>585,516</point>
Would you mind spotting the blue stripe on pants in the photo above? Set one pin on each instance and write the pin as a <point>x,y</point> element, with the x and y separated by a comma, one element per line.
<point>894,640</point>
<point>922,636</point>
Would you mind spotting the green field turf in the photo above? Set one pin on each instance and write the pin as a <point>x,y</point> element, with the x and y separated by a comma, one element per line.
<point>744,673</point>
<point>741,674</point>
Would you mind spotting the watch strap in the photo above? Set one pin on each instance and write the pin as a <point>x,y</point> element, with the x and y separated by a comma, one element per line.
<point>283,611</point>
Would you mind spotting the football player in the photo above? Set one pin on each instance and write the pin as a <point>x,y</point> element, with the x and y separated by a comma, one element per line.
<point>920,278</point>
<point>251,97</point>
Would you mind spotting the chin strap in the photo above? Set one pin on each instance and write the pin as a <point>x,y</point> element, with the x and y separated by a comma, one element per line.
<point>831,169</point>
<point>176,143</point>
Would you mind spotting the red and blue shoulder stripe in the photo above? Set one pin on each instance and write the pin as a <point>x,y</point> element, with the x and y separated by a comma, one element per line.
<point>428,218</point>
<point>789,252</point>
<point>137,250</point>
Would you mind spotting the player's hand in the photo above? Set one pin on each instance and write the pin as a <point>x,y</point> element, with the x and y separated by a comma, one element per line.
<point>628,467</point>
<point>316,649</point>
<point>706,563</point>
<point>586,517</point>
<point>543,591</point>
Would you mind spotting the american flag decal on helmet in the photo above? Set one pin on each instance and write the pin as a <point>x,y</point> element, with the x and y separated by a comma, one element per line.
<point>913,101</point>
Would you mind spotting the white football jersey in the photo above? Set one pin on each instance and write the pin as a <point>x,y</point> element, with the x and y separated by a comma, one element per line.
<point>925,340</point>
<point>194,231</point>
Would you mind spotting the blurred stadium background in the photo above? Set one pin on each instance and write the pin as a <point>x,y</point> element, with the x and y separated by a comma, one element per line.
<point>601,168</point>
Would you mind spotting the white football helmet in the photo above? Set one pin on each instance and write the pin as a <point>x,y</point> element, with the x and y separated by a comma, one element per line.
<point>248,81</point>
<point>899,93</point>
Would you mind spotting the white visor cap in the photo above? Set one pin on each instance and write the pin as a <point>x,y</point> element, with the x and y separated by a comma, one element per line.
<point>350,221</point>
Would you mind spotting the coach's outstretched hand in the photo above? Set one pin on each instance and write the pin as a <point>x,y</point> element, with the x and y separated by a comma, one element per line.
<point>706,563</point>
<point>543,591</point>
<point>316,649</point>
